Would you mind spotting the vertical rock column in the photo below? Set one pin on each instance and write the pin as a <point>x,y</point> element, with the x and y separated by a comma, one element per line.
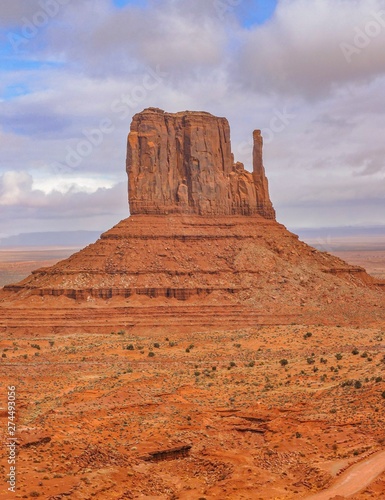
<point>264,205</point>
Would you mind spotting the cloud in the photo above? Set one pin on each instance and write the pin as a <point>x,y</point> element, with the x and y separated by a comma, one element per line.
<point>301,50</point>
<point>25,208</point>
<point>13,185</point>
<point>92,64</point>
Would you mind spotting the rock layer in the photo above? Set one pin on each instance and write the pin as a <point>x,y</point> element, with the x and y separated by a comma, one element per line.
<point>182,163</point>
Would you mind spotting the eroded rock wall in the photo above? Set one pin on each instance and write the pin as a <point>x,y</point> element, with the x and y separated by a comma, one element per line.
<point>182,163</point>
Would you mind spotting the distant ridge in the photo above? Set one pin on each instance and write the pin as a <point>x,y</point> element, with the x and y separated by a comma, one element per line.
<point>349,238</point>
<point>52,238</point>
<point>339,232</point>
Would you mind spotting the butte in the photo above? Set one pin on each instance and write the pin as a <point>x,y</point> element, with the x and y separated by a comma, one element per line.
<point>201,249</point>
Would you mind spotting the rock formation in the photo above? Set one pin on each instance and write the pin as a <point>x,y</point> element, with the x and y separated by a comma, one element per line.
<point>202,245</point>
<point>182,163</point>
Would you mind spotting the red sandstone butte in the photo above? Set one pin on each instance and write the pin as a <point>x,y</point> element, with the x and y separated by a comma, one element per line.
<point>182,163</point>
<point>201,248</point>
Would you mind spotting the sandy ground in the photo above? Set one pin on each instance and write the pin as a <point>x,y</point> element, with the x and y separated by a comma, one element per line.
<point>98,415</point>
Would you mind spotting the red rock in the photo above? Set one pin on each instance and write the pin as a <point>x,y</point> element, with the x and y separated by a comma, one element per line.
<point>182,163</point>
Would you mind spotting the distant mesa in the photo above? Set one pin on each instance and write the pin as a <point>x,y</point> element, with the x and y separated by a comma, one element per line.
<point>182,163</point>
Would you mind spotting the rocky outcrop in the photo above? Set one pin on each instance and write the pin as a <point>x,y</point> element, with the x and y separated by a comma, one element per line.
<point>182,163</point>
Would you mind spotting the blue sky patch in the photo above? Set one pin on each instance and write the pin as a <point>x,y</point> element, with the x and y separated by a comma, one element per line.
<point>13,91</point>
<point>256,12</point>
<point>123,3</point>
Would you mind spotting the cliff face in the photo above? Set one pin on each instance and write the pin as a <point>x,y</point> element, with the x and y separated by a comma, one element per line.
<point>182,163</point>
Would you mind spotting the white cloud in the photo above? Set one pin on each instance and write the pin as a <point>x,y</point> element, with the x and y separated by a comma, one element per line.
<point>13,185</point>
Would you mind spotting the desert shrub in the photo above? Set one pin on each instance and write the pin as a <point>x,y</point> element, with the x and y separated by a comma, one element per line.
<point>307,335</point>
<point>157,345</point>
<point>383,394</point>
<point>151,354</point>
<point>130,347</point>
<point>338,356</point>
<point>251,364</point>
<point>310,361</point>
<point>35,346</point>
<point>357,384</point>
<point>284,362</point>
<point>378,379</point>
<point>355,351</point>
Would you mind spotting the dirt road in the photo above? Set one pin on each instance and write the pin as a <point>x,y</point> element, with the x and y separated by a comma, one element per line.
<point>355,478</point>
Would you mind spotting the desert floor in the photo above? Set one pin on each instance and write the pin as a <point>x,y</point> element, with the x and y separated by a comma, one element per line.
<point>17,263</point>
<point>269,412</point>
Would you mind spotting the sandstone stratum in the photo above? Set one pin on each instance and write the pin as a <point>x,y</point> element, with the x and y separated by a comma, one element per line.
<point>198,350</point>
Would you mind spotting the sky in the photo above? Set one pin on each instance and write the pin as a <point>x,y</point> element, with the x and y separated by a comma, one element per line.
<point>309,73</point>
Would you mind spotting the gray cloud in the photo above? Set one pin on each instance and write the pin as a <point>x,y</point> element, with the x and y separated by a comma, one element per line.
<point>301,50</point>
